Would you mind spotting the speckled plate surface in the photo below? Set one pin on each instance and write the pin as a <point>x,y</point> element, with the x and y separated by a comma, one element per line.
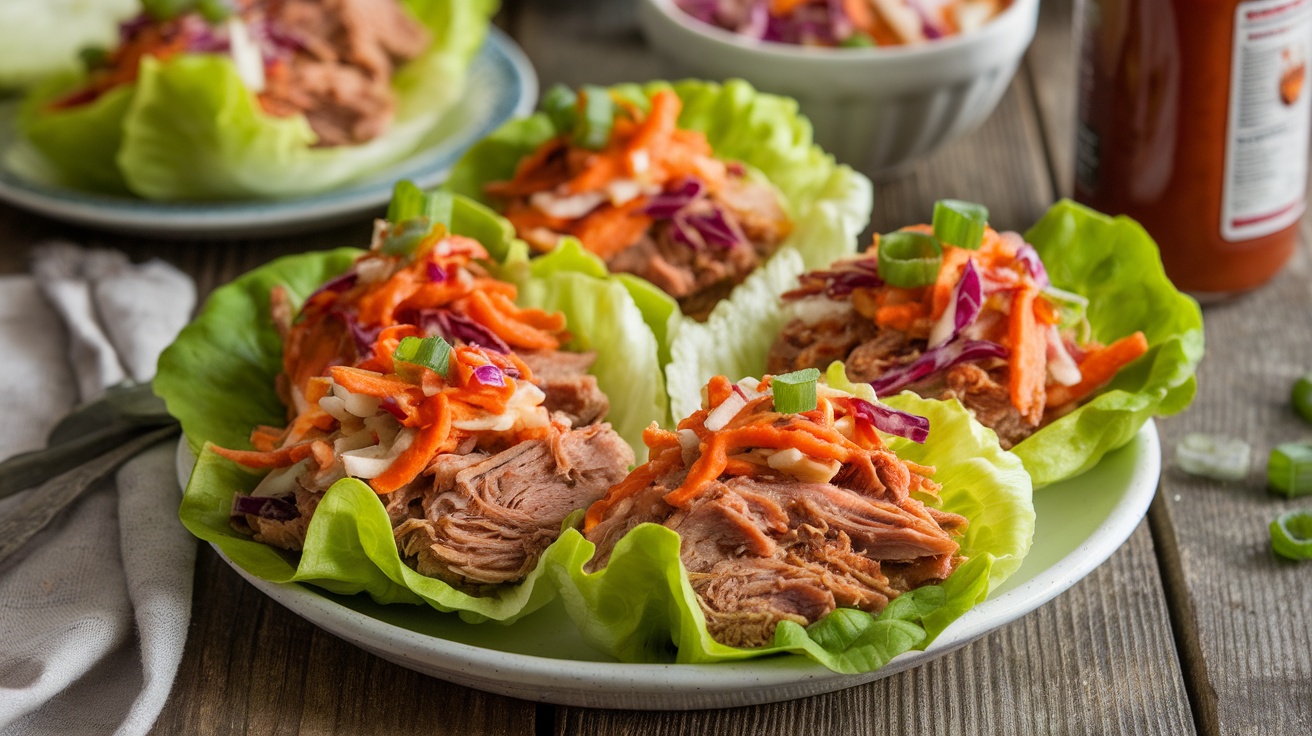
<point>1080,523</point>
<point>501,85</point>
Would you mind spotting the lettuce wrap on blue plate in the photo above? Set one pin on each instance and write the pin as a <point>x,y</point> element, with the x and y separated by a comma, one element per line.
<point>401,400</point>
<point>193,105</point>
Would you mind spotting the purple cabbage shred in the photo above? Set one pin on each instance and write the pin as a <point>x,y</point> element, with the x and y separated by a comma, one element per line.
<point>274,508</point>
<point>887,419</point>
<point>934,360</point>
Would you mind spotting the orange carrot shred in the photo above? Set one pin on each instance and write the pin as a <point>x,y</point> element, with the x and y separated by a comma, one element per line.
<point>1029,362</point>
<point>1099,367</point>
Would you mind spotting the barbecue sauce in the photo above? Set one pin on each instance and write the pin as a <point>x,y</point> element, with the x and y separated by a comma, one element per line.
<point>1193,120</point>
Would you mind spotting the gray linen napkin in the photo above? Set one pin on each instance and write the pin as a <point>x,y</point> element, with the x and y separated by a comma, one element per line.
<point>94,610</point>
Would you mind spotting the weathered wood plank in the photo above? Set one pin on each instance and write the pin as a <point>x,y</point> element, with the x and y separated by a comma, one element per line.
<point>1049,72</point>
<point>1245,614</point>
<point>251,666</point>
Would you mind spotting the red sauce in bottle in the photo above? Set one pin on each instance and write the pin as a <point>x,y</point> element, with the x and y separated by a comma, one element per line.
<point>1193,120</point>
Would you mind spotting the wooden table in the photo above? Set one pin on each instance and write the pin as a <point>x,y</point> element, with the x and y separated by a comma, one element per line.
<point>1192,626</point>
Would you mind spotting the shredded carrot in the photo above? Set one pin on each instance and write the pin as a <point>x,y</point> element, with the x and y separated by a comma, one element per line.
<point>1045,313</point>
<point>654,131</point>
<point>656,438</point>
<point>410,463</point>
<point>280,458</point>
<point>506,325</point>
<point>608,229</point>
<point>900,316</point>
<point>265,438</point>
<point>641,477</point>
<point>1099,367</point>
<point>718,390</point>
<point>1028,363</point>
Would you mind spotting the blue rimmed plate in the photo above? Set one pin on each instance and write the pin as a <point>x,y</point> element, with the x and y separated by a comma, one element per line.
<point>501,85</point>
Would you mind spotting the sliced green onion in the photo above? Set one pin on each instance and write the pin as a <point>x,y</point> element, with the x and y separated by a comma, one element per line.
<point>1291,535</point>
<point>1301,397</point>
<point>794,392</point>
<point>597,114</point>
<point>960,223</point>
<point>1289,469</point>
<point>216,10</point>
<point>1208,456</point>
<point>858,40</point>
<point>93,57</point>
<point>166,9</point>
<point>908,259</point>
<point>561,105</point>
<point>405,237</point>
<point>432,353</point>
<point>409,202</point>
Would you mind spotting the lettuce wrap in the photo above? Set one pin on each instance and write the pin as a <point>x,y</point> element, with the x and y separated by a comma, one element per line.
<point>1113,262</point>
<point>827,203</point>
<point>218,380</point>
<point>189,129</point>
<point>642,608</point>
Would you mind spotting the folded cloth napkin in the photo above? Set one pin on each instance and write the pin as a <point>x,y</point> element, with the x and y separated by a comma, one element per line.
<point>93,610</point>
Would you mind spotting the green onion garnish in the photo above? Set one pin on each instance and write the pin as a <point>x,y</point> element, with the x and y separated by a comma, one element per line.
<point>1289,469</point>
<point>1301,397</point>
<point>93,57</point>
<point>1291,535</point>
<point>794,392</point>
<point>908,259</point>
<point>405,237</point>
<point>409,202</point>
<point>216,10</point>
<point>960,223</point>
<point>561,105</point>
<point>166,9</point>
<point>858,40</point>
<point>592,130</point>
<point>432,353</point>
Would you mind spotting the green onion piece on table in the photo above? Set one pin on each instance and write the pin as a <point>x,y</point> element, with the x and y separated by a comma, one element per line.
<point>908,259</point>
<point>1291,535</point>
<point>597,115</point>
<point>432,353</point>
<point>960,223</point>
<point>794,392</point>
<point>1216,457</point>
<point>561,105</point>
<point>1301,397</point>
<point>1289,469</point>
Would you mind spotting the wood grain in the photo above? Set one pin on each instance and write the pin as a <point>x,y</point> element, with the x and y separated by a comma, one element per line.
<point>1245,615</point>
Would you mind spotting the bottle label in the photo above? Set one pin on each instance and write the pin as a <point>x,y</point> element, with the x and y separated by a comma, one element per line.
<point>1267,133</point>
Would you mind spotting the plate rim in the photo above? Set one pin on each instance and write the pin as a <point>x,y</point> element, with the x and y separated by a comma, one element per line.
<point>746,682</point>
<point>222,218</point>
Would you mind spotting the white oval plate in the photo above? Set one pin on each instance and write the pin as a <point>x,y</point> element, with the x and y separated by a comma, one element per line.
<point>501,85</point>
<point>542,657</point>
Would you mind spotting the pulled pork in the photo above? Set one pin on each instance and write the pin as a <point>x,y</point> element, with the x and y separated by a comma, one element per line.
<point>763,545</point>
<point>339,72</point>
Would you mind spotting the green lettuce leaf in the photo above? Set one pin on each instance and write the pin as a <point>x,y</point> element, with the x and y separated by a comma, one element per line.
<point>1116,264</point>
<point>42,38</point>
<point>192,131</point>
<point>218,377</point>
<point>828,203</point>
<point>1113,262</point>
<point>641,607</point>
<point>602,316</point>
<point>79,144</point>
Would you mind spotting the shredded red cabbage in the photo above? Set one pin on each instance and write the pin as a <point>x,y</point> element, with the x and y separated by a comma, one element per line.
<point>336,285</point>
<point>364,337</point>
<point>490,375</point>
<point>1030,257</point>
<point>436,273</point>
<point>707,225</point>
<point>665,205</point>
<point>841,281</point>
<point>266,507</point>
<point>936,359</point>
<point>391,407</point>
<point>968,298</point>
<point>456,328</point>
<point>887,419</point>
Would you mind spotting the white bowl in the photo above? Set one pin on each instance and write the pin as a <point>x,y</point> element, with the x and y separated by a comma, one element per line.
<point>872,108</point>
